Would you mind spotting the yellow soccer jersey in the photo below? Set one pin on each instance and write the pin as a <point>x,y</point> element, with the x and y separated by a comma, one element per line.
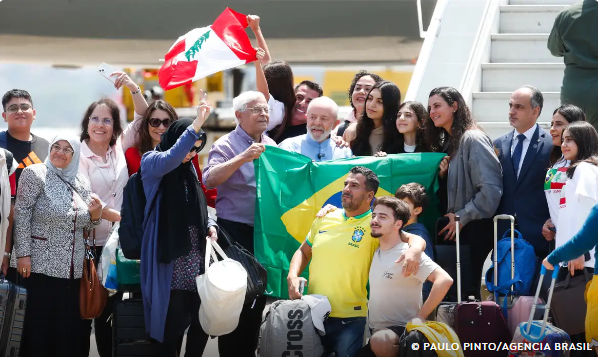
<point>342,251</point>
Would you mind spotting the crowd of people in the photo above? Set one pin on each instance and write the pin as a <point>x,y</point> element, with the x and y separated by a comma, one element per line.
<point>70,190</point>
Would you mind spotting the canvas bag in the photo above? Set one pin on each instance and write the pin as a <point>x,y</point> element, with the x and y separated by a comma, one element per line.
<point>222,291</point>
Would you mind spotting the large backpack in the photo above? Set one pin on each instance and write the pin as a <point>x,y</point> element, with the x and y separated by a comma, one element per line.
<point>525,267</point>
<point>132,214</point>
<point>288,330</point>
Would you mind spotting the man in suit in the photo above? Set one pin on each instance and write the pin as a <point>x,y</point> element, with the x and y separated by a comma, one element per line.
<point>524,154</point>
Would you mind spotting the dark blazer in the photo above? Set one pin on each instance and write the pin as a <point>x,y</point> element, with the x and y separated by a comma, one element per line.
<point>524,197</point>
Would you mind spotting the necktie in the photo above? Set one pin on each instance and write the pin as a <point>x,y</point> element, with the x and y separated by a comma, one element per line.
<point>517,153</point>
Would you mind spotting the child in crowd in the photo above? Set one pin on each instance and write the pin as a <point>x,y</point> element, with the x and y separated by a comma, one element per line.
<point>580,193</point>
<point>416,198</point>
<point>275,80</point>
<point>582,242</point>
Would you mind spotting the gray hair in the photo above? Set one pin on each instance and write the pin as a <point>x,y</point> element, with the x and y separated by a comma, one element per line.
<point>326,102</point>
<point>537,99</point>
<point>240,102</point>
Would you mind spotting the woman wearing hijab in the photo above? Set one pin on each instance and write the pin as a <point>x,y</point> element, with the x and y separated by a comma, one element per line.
<point>54,206</point>
<point>177,224</point>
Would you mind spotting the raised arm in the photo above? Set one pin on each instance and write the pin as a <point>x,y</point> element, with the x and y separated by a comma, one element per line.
<point>260,77</point>
<point>254,23</point>
<point>157,163</point>
<point>129,135</point>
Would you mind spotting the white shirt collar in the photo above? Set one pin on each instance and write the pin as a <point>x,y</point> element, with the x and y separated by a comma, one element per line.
<point>86,151</point>
<point>528,134</point>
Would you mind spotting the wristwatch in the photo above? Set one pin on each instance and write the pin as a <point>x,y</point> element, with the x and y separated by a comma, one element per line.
<point>97,222</point>
<point>137,91</point>
<point>6,254</point>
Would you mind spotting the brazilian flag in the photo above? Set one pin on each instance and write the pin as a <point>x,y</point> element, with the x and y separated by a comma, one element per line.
<point>291,189</point>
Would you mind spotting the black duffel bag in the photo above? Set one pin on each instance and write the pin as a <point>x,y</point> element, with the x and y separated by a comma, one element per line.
<point>257,277</point>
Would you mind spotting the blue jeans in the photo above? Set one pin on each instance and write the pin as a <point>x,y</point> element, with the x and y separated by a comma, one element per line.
<point>344,336</point>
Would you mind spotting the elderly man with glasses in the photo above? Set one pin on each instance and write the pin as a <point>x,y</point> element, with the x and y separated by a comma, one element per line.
<point>230,169</point>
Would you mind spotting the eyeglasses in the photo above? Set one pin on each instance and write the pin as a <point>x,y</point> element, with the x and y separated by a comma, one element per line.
<point>65,150</point>
<point>106,121</point>
<point>15,108</point>
<point>259,110</point>
<point>195,148</point>
<point>155,122</point>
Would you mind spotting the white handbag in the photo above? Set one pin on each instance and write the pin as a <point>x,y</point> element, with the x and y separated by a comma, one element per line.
<point>222,290</point>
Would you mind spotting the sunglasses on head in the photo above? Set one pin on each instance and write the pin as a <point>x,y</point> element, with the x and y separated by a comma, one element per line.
<point>155,122</point>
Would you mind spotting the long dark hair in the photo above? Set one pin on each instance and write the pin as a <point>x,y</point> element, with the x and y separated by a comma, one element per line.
<point>391,96</point>
<point>586,138</point>
<point>279,76</point>
<point>422,116</point>
<point>571,113</point>
<point>462,121</point>
<point>145,142</point>
<point>117,128</point>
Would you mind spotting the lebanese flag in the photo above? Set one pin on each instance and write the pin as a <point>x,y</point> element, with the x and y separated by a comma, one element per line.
<point>208,50</point>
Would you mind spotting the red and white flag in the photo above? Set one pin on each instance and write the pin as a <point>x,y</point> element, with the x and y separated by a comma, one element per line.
<point>208,50</point>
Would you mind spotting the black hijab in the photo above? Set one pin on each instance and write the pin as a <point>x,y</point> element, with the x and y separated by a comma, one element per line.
<point>183,205</point>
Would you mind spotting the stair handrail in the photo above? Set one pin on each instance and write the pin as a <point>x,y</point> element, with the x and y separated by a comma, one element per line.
<point>429,36</point>
<point>483,37</point>
<point>422,33</point>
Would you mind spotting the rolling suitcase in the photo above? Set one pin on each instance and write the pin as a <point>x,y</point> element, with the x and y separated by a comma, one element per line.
<point>13,302</point>
<point>538,334</point>
<point>445,256</point>
<point>128,330</point>
<point>474,321</point>
<point>518,308</point>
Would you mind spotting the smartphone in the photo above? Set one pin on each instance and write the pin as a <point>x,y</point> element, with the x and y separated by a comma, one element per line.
<point>105,70</point>
<point>440,224</point>
<point>301,286</point>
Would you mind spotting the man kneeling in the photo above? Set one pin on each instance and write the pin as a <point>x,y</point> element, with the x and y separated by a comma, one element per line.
<point>396,299</point>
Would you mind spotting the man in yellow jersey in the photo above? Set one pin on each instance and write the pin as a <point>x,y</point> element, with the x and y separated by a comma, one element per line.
<point>340,248</point>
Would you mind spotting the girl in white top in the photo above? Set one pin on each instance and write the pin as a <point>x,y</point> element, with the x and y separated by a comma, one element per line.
<point>580,194</point>
<point>102,162</point>
<point>275,80</point>
<point>556,176</point>
<point>410,124</point>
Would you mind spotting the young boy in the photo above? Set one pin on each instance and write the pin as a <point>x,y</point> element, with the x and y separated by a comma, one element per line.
<point>416,198</point>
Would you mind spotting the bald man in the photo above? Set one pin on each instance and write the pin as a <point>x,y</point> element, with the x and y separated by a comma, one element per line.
<point>322,118</point>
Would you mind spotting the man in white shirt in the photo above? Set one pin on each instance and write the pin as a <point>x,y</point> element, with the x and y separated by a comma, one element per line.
<point>396,300</point>
<point>322,118</point>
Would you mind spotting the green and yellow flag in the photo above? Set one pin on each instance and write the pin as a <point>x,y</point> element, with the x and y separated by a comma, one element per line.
<point>291,189</point>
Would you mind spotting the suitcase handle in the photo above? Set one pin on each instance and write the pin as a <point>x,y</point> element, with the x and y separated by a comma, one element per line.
<point>495,253</point>
<point>457,243</point>
<point>555,274</point>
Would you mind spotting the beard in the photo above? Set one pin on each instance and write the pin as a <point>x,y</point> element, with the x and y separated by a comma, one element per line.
<point>324,136</point>
<point>376,235</point>
<point>352,205</point>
